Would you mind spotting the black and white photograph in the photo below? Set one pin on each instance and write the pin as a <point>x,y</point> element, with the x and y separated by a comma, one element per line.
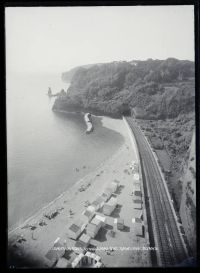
<point>101,136</point>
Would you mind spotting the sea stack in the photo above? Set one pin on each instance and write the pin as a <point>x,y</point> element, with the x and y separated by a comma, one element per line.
<point>49,92</point>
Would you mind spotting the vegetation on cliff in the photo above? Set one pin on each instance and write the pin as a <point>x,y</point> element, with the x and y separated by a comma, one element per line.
<point>155,89</point>
<point>171,140</point>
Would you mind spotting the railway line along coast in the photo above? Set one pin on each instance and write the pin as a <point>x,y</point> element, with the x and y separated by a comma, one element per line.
<point>165,227</point>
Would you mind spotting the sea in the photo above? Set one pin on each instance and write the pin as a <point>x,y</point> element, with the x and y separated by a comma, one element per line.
<point>47,152</point>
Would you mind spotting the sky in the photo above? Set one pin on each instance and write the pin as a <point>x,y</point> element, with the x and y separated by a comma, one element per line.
<point>56,39</point>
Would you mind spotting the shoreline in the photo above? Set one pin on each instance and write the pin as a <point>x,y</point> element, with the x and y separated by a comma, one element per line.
<point>37,239</point>
<point>48,205</point>
<point>35,214</point>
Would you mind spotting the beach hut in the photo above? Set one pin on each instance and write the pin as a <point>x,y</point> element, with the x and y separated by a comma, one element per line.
<point>137,204</point>
<point>137,189</point>
<point>107,194</point>
<point>137,226</point>
<point>137,213</point>
<point>82,222</point>
<point>93,227</point>
<point>98,203</point>
<point>137,194</point>
<point>97,222</point>
<point>51,258</point>
<point>119,223</point>
<point>63,263</point>
<point>92,230</point>
<point>78,248</point>
<point>110,206</point>
<point>77,227</point>
<point>74,231</point>
<point>102,219</point>
<point>59,248</point>
<point>82,243</point>
<point>88,214</point>
<point>85,240</point>
<point>114,186</point>
<point>55,253</point>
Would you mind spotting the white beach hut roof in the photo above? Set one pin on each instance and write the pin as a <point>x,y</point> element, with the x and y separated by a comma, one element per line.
<point>136,176</point>
<point>96,221</point>
<point>101,218</point>
<point>136,187</point>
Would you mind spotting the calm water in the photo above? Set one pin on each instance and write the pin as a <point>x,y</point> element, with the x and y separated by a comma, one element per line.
<point>45,148</point>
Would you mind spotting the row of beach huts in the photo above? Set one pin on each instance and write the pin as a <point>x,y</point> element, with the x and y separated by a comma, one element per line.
<point>137,221</point>
<point>91,220</point>
<point>83,229</point>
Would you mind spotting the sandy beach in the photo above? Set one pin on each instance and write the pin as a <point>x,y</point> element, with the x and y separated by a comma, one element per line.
<point>39,232</point>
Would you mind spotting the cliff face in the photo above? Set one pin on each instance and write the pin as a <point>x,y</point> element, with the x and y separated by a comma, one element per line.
<point>152,89</point>
<point>188,200</point>
<point>67,76</point>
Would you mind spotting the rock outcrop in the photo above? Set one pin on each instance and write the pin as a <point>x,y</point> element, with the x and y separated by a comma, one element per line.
<point>188,200</point>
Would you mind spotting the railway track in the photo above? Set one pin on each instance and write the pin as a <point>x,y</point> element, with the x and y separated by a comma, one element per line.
<point>171,248</point>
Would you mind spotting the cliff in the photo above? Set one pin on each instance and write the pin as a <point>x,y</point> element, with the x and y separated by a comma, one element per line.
<point>67,76</point>
<point>151,89</point>
<point>188,200</point>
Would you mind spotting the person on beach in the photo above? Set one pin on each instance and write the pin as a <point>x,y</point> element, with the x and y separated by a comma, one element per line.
<point>71,213</point>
